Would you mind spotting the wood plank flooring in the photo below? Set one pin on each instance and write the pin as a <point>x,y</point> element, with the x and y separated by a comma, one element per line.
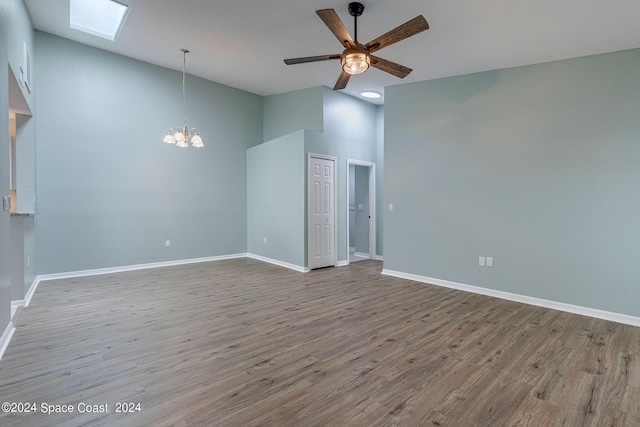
<point>244,343</point>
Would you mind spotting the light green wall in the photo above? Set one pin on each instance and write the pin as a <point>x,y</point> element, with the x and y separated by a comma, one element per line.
<point>109,191</point>
<point>276,199</point>
<point>535,166</point>
<point>343,127</point>
<point>98,189</point>
<point>380,180</point>
<point>23,268</point>
<point>291,111</point>
<point>350,127</point>
<point>15,31</point>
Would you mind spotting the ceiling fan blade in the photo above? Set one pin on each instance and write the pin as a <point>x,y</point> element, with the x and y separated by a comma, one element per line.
<point>342,80</point>
<point>390,67</point>
<point>331,20</point>
<point>306,59</point>
<point>408,29</point>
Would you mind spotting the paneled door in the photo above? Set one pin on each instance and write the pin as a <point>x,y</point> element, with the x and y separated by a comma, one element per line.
<point>322,212</point>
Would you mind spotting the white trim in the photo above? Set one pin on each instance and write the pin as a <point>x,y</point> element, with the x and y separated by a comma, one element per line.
<point>31,291</point>
<point>8,333</point>
<point>6,337</point>
<point>379,258</point>
<point>342,263</point>
<point>372,204</point>
<point>15,305</point>
<point>279,263</point>
<point>555,305</point>
<point>121,269</point>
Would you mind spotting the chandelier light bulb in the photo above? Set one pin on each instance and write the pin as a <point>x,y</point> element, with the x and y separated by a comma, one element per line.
<point>178,137</point>
<point>196,141</point>
<point>168,138</point>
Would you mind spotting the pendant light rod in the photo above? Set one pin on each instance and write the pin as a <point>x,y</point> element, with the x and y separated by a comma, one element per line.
<point>184,81</point>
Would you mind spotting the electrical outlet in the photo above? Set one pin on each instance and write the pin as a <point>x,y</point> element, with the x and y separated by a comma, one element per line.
<point>390,206</point>
<point>481,261</point>
<point>167,243</point>
<point>265,240</point>
<point>489,261</point>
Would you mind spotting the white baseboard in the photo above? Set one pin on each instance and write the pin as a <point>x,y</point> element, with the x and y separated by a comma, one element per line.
<point>8,333</point>
<point>342,263</point>
<point>31,291</point>
<point>555,305</point>
<point>379,258</point>
<point>120,269</point>
<point>279,263</point>
<point>15,305</point>
<point>6,337</point>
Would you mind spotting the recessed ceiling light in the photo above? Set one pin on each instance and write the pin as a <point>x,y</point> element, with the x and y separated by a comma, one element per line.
<point>370,94</point>
<point>102,18</point>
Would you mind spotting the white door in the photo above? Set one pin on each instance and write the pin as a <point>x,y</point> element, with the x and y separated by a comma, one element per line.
<point>322,216</point>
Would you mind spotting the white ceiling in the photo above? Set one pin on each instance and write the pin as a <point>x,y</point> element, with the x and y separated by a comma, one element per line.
<point>242,43</point>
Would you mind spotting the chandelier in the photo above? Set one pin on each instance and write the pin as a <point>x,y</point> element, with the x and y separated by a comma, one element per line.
<point>182,135</point>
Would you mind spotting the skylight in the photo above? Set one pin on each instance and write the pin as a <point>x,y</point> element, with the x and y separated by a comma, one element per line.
<point>102,18</point>
<point>370,94</point>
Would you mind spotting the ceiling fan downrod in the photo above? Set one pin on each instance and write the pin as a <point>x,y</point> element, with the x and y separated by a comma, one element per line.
<point>355,10</point>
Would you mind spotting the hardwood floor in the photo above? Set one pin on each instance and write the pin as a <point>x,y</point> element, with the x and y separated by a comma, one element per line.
<point>244,343</point>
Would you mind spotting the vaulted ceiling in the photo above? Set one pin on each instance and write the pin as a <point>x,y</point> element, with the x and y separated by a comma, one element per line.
<point>242,43</point>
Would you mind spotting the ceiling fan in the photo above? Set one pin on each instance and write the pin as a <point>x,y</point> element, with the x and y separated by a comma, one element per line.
<point>356,58</point>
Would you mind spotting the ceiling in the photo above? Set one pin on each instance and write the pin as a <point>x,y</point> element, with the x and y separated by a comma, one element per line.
<point>242,43</point>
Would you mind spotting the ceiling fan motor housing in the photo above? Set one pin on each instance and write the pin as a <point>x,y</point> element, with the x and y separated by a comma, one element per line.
<point>356,9</point>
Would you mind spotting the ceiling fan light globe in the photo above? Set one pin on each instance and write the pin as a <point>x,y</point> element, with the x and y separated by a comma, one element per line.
<point>355,62</point>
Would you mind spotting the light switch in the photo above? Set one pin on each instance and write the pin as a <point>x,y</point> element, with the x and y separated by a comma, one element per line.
<point>489,261</point>
<point>360,207</point>
<point>390,206</point>
<point>481,261</point>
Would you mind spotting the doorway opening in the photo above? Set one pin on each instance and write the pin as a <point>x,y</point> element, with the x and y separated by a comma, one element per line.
<point>361,221</point>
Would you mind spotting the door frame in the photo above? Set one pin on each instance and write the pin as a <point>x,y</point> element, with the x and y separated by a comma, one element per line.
<point>372,204</point>
<point>335,205</point>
